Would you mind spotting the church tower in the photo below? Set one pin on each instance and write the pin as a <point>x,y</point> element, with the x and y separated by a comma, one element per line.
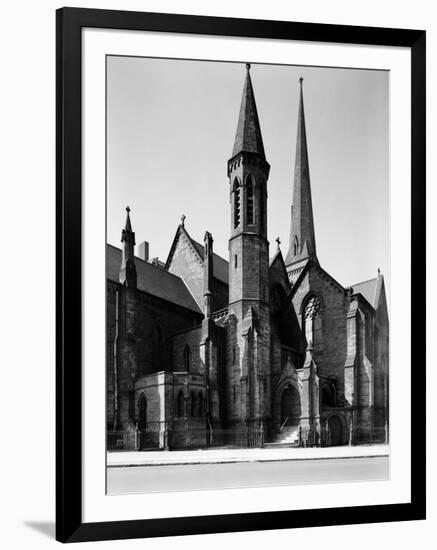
<point>248,172</point>
<point>302,246</point>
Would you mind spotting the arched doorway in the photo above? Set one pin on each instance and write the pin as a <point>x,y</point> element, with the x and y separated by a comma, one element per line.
<point>290,407</point>
<point>142,412</point>
<point>335,430</point>
<point>142,421</point>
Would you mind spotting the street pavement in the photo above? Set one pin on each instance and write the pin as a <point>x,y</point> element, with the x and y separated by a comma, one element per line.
<point>189,477</point>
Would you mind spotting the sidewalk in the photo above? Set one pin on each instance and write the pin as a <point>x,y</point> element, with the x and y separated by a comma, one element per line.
<point>214,456</point>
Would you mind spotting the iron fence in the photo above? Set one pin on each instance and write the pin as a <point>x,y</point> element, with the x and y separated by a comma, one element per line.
<point>360,435</point>
<point>163,436</point>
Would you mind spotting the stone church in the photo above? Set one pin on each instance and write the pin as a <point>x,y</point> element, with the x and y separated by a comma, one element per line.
<point>203,345</point>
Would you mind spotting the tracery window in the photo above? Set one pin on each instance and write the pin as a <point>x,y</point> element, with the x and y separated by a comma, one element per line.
<point>312,320</point>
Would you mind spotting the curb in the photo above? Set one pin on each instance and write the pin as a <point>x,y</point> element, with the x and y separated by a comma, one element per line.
<point>242,460</point>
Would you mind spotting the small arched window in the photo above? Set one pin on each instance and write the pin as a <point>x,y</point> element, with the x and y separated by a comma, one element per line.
<point>201,405</point>
<point>296,246</point>
<point>187,358</point>
<point>193,404</point>
<point>236,203</point>
<point>261,208</point>
<point>250,201</point>
<point>180,404</point>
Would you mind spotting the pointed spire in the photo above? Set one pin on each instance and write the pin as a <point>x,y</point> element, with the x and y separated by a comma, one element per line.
<point>248,137</point>
<point>128,272</point>
<point>302,238</point>
<point>207,273</point>
<point>128,225</point>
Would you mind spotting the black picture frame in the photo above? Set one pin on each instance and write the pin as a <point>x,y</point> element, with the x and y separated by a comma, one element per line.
<point>69,23</point>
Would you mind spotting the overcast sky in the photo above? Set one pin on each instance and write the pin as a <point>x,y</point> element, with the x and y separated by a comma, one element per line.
<point>170,131</point>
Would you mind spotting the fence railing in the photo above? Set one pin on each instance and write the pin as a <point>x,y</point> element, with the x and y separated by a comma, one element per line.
<point>163,436</point>
<point>309,437</point>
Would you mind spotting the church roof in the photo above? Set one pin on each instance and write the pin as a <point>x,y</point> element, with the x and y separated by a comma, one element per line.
<point>370,290</point>
<point>248,136</point>
<point>153,280</point>
<point>220,265</point>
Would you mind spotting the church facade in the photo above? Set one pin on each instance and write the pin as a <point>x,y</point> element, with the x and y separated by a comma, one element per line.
<point>275,345</point>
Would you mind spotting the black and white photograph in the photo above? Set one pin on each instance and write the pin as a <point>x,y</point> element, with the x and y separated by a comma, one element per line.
<point>247,274</point>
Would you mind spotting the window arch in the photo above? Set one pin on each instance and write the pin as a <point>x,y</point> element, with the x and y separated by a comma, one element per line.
<point>142,412</point>
<point>261,208</point>
<point>201,404</point>
<point>250,200</point>
<point>236,191</point>
<point>180,404</point>
<point>312,319</point>
<point>193,404</point>
<point>187,358</point>
<point>296,246</point>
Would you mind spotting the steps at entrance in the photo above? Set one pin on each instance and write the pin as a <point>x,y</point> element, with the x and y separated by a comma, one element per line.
<point>287,437</point>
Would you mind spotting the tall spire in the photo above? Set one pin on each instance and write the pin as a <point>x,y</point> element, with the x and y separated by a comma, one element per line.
<point>248,138</point>
<point>302,239</point>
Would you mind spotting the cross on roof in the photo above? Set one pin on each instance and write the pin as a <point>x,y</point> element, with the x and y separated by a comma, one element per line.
<point>183,219</point>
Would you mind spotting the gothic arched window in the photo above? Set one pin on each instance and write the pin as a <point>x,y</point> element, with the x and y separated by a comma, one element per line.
<point>193,404</point>
<point>236,203</point>
<point>312,319</point>
<point>187,358</point>
<point>250,201</point>
<point>261,208</point>
<point>296,246</point>
<point>180,404</point>
<point>201,405</point>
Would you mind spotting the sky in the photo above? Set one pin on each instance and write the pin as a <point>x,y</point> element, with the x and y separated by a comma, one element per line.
<point>170,131</point>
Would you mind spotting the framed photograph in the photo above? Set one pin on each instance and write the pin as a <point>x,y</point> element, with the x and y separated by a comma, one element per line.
<point>240,275</point>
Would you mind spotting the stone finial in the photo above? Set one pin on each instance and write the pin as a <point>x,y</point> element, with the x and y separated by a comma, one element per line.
<point>301,80</point>
<point>248,66</point>
<point>183,220</point>
<point>278,240</point>
<point>379,271</point>
<point>127,209</point>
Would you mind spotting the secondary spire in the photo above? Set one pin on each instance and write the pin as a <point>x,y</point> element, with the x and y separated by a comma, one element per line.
<point>302,238</point>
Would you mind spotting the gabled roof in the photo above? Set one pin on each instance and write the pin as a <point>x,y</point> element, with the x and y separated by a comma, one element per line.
<point>220,265</point>
<point>312,263</point>
<point>371,290</point>
<point>277,264</point>
<point>248,137</point>
<point>153,280</point>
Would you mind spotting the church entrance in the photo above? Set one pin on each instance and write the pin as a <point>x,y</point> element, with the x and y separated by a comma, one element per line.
<point>290,407</point>
<point>335,430</point>
<point>142,413</point>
